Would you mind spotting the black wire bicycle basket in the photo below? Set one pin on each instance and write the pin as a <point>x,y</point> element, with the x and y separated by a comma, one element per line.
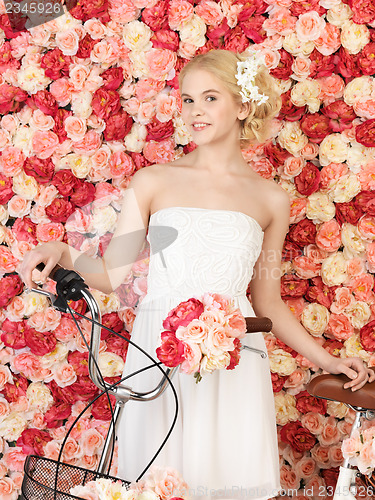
<point>47,479</point>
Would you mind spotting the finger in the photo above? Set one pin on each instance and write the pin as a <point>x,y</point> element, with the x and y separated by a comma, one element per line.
<point>371,375</point>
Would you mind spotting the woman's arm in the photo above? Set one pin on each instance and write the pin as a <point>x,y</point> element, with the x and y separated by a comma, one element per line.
<point>267,301</point>
<point>108,272</point>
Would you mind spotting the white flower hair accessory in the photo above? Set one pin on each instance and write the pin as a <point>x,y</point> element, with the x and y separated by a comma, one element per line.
<point>245,76</point>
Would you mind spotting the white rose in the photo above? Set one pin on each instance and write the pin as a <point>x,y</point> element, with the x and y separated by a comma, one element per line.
<point>136,139</point>
<point>81,104</point>
<point>283,86</point>
<point>25,186</point>
<point>104,219</point>
<point>66,21</point>
<point>59,354</point>
<point>34,302</point>
<point>319,208</point>
<point>12,426</point>
<point>285,408</point>
<point>32,78</point>
<point>297,47</point>
<point>110,364</point>
<point>345,189</point>
<point>39,397</point>
<point>315,318</point>
<point>352,240</point>
<point>282,362</point>
<point>148,495</point>
<point>306,93</point>
<point>333,149</point>
<point>353,348</point>
<point>292,138</point>
<point>22,139</point>
<point>209,364</point>
<point>333,270</point>
<point>354,36</point>
<point>80,165</point>
<point>181,133</point>
<point>328,4</point>
<point>337,409</point>
<point>193,31</point>
<point>358,88</point>
<point>338,14</point>
<point>359,314</point>
<point>139,67</point>
<point>357,153</point>
<point>137,36</point>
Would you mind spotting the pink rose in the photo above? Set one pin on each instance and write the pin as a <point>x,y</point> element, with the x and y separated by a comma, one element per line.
<point>288,477</point>
<point>11,161</point>
<point>183,314</point>
<point>160,62</point>
<point>328,236</point>
<point>91,442</point>
<point>313,422</point>
<point>7,489</point>
<point>180,11</point>
<point>192,357</point>
<point>44,143</point>
<point>330,434</point>
<point>52,231</point>
<point>89,144</point>
<point>160,152</point>
<point>171,351</point>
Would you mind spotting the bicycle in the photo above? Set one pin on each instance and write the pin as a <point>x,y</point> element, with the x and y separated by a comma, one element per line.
<point>47,479</point>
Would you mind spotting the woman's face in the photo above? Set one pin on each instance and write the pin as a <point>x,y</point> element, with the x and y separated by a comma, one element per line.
<point>208,108</point>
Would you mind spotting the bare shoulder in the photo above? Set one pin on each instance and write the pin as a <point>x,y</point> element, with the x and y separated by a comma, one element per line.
<point>276,202</point>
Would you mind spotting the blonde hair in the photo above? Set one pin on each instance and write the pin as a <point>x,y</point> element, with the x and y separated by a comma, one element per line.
<point>223,65</point>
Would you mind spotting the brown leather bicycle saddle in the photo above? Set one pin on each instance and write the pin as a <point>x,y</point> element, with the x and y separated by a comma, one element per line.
<point>331,387</point>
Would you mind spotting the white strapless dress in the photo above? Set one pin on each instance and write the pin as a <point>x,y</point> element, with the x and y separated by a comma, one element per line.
<point>224,443</point>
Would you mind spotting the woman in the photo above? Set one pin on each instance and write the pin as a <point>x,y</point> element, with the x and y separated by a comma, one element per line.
<point>231,225</point>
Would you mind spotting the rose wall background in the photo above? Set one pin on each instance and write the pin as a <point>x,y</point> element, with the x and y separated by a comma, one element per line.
<point>90,97</point>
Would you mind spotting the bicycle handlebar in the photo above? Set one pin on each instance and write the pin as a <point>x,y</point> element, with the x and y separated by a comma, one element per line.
<point>70,285</point>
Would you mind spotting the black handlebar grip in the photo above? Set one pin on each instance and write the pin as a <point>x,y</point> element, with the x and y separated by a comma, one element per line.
<point>258,324</point>
<point>41,266</point>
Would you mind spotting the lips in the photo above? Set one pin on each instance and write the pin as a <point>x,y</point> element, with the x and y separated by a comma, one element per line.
<point>200,125</point>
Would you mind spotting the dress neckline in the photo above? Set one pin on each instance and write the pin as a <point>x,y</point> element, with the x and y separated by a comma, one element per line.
<point>212,210</point>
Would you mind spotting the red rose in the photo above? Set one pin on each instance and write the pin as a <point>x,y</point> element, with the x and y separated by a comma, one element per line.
<point>302,233</point>
<point>333,346</point>
<point>236,40</point>
<point>367,335</point>
<point>321,65</point>
<point>291,251</point>
<point>41,170</point>
<point>112,78</point>
<point>118,345</point>
<point>330,477</point>
<point>83,389</point>
<point>217,33</point>
<point>341,115</point>
<point>366,59</point>
<point>349,211</point>
<point>11,98</point>
<point>101,409</point>
<point>65,182</point>
<point>235,355</point>
<point>6,191</point>
<point>13,334</point>
<point>13,392</point>
<point>6,58</point>
<point>286,348</point>
<point>171,351</point>
<point>58,127</point>
<point>320,292</point>
<point>32,441</point>
<point>252,26</point>
<point>40,343</point>
<point>77,305</point>
<point>80,362</point>
<point>299,438</point>
<point>12,24</point>
<point>87,9</point>
<point>347,64</point>
<point>55,416</point>
<point>301,7</point>
<point>127,296</point>
<point>10,286</point>
<point>118,126</point>
<point>165,39</point>
<point>83,194</point>
<point>25,230</point>
<point>182,314</point>
<point>316,126</point>
<point>288,110</point>
<point>112,321</point>
<point>105,103</point>
<point>55,64</point>
<point>251,8</point>
<point>293,287</point>
<point>59,210</point>
<point>307,182</point>
<point>157,131</point>
<point>366,201</point>
<point>277,382</point>
<point>365,133</point>
<point>306,403</point>
<point>156,17</point>
<point>139,160</point>
<point>276,154</point>
<point>44,101</point>
<point>284,69</point>
<point>85,46</point>
<point>188,148</point>
<point>363,11</point>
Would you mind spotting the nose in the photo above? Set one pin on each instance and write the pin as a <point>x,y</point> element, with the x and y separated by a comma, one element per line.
<point>197,109</point>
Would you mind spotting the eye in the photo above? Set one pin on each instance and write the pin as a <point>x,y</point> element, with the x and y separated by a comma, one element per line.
<point>187,100</point>
<point>211,98</point>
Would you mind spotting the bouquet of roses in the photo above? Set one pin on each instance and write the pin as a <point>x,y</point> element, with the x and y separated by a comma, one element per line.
<point>159,483</point>
<point>359,448</point>
<point>202,335</point>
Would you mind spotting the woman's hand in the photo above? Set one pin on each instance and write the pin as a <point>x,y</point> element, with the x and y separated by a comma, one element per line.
<point>49,254</point>
<point>353,368</point>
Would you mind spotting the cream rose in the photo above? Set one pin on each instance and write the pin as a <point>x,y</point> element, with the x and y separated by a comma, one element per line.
<point>339,13</point>
<point>292,138</point>
<point>59,354</point>
<point>357,156</point>
<point>12,426</point>
<point>34,302</point>
<point>181,133</point>
<point>306,93</point>
<point>282,362</point>
<point>358,314</point>
<point>80,165</point>
<point>104,219</point>
<point>209,364</point>
<point>333,270</point>
<point>39,397</point>
<point>354,36</point>
<point>296,47</point>
<point>32,78</point>
<point>285,408</point>
<point>337,409</point>
<point>315,318</point>
<point>345,189</point>
<point>137,36</point>
<point>358,88</point>
<point>81,104</point>
<point>136,139</point>
<point>351,240</point>
<point>193,31</point>
<point>353,348</point>
<point>22,139</point>
<point>319,208</point>
<point>25,186</point>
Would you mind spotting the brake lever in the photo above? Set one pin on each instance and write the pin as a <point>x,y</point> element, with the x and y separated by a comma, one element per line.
<point>52,297</point>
